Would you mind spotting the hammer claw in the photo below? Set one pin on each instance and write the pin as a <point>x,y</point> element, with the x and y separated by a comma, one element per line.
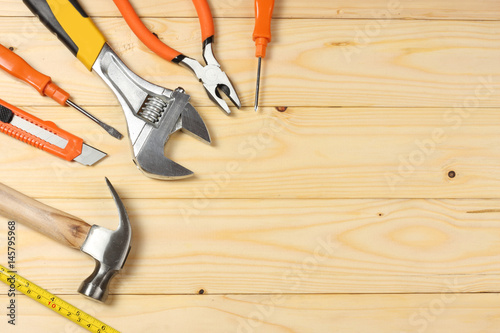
<point>124,223</point>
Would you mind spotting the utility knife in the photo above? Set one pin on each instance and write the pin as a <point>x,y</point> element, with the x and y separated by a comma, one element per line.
<point>45,135</point>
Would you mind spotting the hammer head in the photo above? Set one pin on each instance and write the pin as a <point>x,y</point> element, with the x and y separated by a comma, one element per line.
<point>109,249</point>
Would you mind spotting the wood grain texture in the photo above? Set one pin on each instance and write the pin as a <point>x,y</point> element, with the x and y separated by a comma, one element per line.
<point>386,9</point>
<point>432,313</point>
<point>300,153</point>
<point>321,63</point>
<point>283,246</point>
<point>294,221</point>
<point>58,225</point>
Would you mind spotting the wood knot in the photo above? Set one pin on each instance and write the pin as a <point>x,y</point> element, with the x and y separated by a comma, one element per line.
<point>76,230</point>
<point>281,108</point>
<point>345,43</point>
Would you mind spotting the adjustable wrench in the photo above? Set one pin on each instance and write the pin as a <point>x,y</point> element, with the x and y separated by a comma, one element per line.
<point>152,112</point>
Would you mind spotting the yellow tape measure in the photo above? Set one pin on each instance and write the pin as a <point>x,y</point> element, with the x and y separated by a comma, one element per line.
<point>54,303</point>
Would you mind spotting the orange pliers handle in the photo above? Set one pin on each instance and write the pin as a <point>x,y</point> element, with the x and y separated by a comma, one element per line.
<point>152,42</point>
<point>70,152</point>
<point>205,17</point>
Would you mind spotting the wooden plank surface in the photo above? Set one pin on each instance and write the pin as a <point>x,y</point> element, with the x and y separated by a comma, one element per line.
<point>292,246</point>
<point>313,62</point>
<point>384,9</point>
<point>280,313</point>
<point>300,153</point>
<point>363,196</point>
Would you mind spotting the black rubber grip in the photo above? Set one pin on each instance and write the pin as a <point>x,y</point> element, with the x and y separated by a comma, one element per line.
<point>207,41</point>
<point>178,59</point>
<point>6,114</point>
<point>42,9</point>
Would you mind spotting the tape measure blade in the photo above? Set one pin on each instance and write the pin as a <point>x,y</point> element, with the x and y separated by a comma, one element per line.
<point>47,299</point>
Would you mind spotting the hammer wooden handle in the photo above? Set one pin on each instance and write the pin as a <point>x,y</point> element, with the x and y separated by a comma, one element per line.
<point>58,225</point>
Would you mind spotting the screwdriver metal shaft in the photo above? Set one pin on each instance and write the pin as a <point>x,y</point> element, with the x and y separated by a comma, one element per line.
<point>112,131</point>
<point>257,88</point>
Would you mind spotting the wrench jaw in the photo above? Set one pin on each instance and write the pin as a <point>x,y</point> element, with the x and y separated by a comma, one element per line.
<point>191,123</point>
<point>153,113</point>
<point>149,149</point>
<point>169,170</point>
<point>147,160</point>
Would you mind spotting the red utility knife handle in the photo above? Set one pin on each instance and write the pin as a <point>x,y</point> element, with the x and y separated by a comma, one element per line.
<point>72,149</point>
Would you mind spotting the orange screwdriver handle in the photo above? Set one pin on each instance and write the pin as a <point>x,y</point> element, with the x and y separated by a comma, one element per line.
<point>206,19</point>
<point>69,153</point>
<point>262,33</point>
<point>143,33</point>
<point>19,68</point>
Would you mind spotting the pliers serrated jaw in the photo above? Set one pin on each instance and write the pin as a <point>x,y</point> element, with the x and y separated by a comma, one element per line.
<point>214,79</point>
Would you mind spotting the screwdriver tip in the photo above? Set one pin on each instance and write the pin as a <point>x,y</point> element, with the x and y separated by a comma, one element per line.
<point>112,131</point>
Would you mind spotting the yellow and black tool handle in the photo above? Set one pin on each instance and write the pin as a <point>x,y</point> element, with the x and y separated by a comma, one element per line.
<point>69,22</point>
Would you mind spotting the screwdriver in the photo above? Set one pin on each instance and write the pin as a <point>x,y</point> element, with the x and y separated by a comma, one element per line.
<point>262,36</point>
<point>19,68</point>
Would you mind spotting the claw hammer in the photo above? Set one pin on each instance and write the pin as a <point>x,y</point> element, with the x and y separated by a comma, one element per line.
<point>109,248</point>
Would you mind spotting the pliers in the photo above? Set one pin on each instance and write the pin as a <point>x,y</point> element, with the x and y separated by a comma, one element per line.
<point>213,78</point>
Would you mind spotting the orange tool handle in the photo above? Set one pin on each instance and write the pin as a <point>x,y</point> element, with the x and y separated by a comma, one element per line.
<point>262,32</point>
<point>69,153</point>
<point>142,32</point>
<point>206,19</point>
<point>18,67</point>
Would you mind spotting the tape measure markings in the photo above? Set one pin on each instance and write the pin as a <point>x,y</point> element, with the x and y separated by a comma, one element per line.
<point>54,303</point>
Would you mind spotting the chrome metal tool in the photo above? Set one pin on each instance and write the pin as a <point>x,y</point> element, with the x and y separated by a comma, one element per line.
<point>153,113</point>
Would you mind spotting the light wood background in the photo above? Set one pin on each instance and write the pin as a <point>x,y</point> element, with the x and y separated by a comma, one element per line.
<point>338,215</point>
